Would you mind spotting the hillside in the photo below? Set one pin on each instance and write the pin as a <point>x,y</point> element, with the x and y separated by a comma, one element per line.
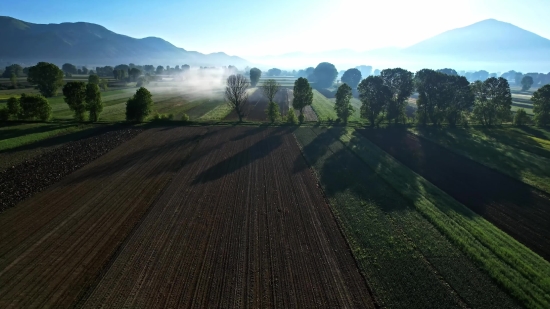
<point>90,44</point>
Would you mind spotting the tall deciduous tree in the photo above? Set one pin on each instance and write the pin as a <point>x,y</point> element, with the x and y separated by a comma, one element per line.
<point>448,71</point>
<point>139,106</point>
<point>134,73</point>
<point>352,77</point>
<point>541,105</point>
<point>13,80</point>
<point>93,101</point>
<point>459,98</point>
<point>526,83</point>
<point>236,94</point>
<point>47,76</point>
<point>401,84</point>
<point>343,106</point>
<point>324,75</point>
<point>303,96</point>
<point>255,75</point>
<point>270,88</point>
<point>374,96</point>
<point>75,97</point>
<point>13,69</point>
<point>430,87</point>
<point>493,101</point>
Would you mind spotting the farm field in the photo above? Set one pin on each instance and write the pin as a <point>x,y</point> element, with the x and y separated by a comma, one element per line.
<point>237,228</point>
<point>324,108</point>
<point>522,153</point>
<point>399,250</point>
<point>516,208</point>
<point>279,238</point>
<point>54,245</point>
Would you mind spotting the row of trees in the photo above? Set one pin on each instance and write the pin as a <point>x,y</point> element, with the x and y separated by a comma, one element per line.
<point>27,107</point>
<point>82,98</point>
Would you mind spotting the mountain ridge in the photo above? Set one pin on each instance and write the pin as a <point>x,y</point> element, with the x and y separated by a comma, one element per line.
<point>85,43</point>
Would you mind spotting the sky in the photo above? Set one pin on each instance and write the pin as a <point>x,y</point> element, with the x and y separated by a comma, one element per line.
<point>249,28</point>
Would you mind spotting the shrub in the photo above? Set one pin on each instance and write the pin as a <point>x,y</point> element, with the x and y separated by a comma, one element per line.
<point>184,118</point>
<point>521,118</point>
<point>301,118</point>
<point>4,114</point>
<point>291,117</point>
<point>34,107</point>
<point>14,108</point>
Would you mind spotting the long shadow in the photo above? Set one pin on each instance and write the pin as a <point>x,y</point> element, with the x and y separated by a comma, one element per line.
<point>534,132</point>
<point>316,149</point>
<point>244,157</point>
<point>15,132</point>
<point>513,206</point>
<point>61,139</point>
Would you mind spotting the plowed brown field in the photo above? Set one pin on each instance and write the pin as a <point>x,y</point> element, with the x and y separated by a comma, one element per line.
<point>518,209</point>
<point>243,224</point>
<point>54,245</point>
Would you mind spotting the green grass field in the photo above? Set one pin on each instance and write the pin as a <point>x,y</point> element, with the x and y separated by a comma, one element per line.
<point>400,251</point>
<point>522,153</point>
<point>523,273</point>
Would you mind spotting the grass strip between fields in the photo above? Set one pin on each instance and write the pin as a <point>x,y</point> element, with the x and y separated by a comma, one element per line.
<point>218,113</point>
<point>523,273</point>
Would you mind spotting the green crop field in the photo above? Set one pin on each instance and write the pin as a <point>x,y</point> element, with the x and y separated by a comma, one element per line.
<point>522,153</point>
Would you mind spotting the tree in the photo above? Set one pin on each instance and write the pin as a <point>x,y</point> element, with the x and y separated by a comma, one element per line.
<point>93,79</point>
<point>160,70</point>
<point>291,117</point>
<point>430,87</point>
<point>376,72</point>
<point>48,78</point>
<point>374,96</point>
<point>448,71</point>
<point>324,75</point>
<point>352,77</point>
<point>400,83</point>
<point>103,84</point>
<point>521,118</point>
<point>517,78</point>
<point>134,73</point>
<point>13,107</point>
<point>273,72</point>
<point>255,75</point>
<point>34,107</point>
<point>85,70</point>
<point>366,70</point>
<point>541,105</point>
<point>139,106</point>
<point>13,80</point>
<point>458,98</point>
<point>270,88</point>
<point>75,96</point>
<point>493,101</point>
<point>185,67</point>
<point>526,83</point>
<point>93,101</point>
<point>343,106</point>
<point>149,68</point>
<point>13,69</point>
<point>273,113</point>
<point>69,69</point>
<point>303,96</point>
<point>236,94</point>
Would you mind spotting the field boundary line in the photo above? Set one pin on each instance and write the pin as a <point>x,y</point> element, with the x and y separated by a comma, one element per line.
<point>373,295</point>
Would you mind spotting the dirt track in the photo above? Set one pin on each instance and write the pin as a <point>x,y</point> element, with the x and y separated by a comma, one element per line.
<point>239,226</point>
<point>518,209</point>
<point>53,245</point>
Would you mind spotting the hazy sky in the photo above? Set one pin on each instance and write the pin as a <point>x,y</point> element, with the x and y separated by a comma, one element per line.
<point>255,28</point>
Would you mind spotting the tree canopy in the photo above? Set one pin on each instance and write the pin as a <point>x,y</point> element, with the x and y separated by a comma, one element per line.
<point>69,68</point>
<point>400,83</point>
<point>255,75</point>
<point>541,105</point>
<point>93,79</point>
<point>47,76</point>
<point>375,97</point>
<point>303,96</point>
<point>34,107</point>
<point>93,101</point>
<point>13,69</point>
<point>352,77</point>
<point>236,94</point>
<point>342,105</point>
<point>448,71</point>
<point>324,74</point>
<point>274,72</point>
<point>139,106</point>
<point>75,97</point>
<point>493,101</point>
<point>526,82</point>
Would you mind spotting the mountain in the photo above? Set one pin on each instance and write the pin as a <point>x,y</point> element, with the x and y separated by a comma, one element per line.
<point>486,45</point>
<point>487,40</point>
<point>90,44</point>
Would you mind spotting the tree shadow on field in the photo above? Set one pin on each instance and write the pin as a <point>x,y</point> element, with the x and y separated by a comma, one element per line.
<point>258,150</point>
<point>146,154</point>
<point>319,147</point>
